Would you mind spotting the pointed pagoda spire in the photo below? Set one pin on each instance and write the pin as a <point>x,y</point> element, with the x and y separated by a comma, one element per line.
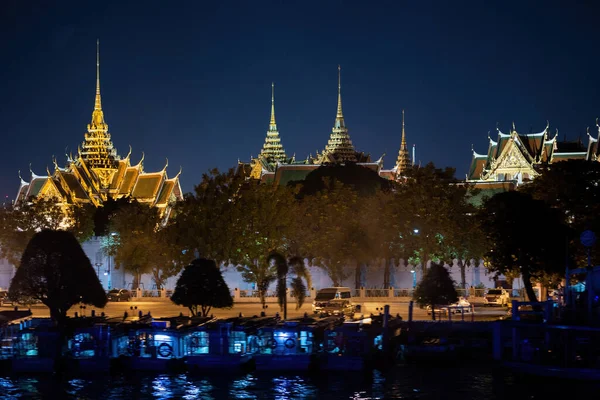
<point>98,123</point>
<point>272,124</point>
<point>339,147</point>
<point>97,148</point>
<point>339,117</point>
<point>98,102</point>
<point>272,150</point>
<point>403,161</point>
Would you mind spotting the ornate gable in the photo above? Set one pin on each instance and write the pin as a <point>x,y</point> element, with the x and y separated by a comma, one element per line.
<point>511,162</point>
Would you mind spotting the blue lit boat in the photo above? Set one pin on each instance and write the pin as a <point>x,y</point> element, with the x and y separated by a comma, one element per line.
<point>222,344</point>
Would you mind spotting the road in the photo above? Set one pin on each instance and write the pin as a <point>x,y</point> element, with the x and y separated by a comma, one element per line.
<point>166,309</point>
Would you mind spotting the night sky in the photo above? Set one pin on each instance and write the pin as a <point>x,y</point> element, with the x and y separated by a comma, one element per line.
<point>192,83</point>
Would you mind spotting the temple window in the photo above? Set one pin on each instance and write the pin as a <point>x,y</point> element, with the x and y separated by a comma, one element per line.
<point>500,177</point>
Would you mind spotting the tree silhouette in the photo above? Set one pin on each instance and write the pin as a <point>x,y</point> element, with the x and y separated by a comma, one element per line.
<point>525,236</point>
<point>202,285</point>
<point>295,266</point>
<point>55,270</point>
<point>436,288</point>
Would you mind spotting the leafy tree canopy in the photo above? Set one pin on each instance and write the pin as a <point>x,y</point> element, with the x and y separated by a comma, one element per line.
<point>436,288</point>
<point>363,180</point>
<point>573,188</point>
<point>524,235</point>
<point>19,223</point>
<point>142,243</point>
<point>55,270</point>
<point>202,285</point>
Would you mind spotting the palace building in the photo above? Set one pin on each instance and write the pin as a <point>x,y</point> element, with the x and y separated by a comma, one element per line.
<point>97,173</point>
<point>514,158</point>
<point>272,164</point>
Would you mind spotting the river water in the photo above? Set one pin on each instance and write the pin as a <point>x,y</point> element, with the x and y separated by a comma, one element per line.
<point>408,382</point>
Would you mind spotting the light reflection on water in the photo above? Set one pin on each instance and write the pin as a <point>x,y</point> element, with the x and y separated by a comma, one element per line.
<point>403,382</point>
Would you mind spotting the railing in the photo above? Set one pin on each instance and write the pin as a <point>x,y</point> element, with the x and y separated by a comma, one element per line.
<point>268,294</point>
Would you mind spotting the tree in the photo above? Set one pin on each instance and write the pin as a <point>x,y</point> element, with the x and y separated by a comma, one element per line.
<point>436,288</point>
<point>203,222</point>
<point>432,199</point>
<point>296,267</point>
<point>55,270</point>
<point>573,188</point>
<point>202,285</point>
<point>263,218</point>
<point>142,243</point>
<point>19,223</point>
<point>524,235</point>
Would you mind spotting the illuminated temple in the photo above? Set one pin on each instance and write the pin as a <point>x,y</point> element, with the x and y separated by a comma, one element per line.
<point>97,173</point>
<point>514,158</point>
<point>272,164</point>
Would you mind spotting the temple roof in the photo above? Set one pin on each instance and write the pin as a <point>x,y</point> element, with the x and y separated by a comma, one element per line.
<point>148,185</point>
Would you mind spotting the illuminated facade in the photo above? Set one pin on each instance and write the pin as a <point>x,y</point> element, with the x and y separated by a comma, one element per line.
<point>97,173</point>
<point>514,158</point>
<point>272,164</point>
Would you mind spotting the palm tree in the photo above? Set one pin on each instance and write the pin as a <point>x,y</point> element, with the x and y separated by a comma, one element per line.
<point>295,266</point>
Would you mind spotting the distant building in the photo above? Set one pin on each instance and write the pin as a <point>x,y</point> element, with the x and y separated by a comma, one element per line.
<point>97,173</point>
<point>273,165</point>
<point>514,158</point>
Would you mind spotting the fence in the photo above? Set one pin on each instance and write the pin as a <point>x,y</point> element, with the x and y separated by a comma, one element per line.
<point>359,295</point>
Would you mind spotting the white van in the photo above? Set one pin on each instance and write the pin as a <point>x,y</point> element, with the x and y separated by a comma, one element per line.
<point>334,301</point>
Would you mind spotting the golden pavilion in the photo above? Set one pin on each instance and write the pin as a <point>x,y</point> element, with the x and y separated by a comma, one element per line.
<point>97,173</point>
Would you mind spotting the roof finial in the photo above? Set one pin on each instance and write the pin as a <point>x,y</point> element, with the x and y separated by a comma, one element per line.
<point>403,133</point>
<point>547,124</point>
<point>166,165</point>
<point>272,124</point>
<point>514,129</point>
<point>339,107</point>
<point>98,103</point>
<point>498,126</point>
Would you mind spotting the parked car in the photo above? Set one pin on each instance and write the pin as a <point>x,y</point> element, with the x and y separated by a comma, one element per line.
<point>119,295</point>
<point>334,301</point>
<point>461,306</point>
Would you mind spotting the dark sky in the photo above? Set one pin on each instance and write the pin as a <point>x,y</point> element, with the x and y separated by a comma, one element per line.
<point>191,82</point>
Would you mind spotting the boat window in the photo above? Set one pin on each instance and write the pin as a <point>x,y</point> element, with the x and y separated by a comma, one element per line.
<point>197,343</point>
<point>237,342</point>
<point>494,291</point>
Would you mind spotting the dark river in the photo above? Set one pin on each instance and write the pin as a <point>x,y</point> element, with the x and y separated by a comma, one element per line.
<point>409,382</point>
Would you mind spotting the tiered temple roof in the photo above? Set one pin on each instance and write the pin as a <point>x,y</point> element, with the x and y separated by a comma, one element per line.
<point>98,173</point>
<point>403,162</point>
<point>516,157</point>
<point>272,165</point>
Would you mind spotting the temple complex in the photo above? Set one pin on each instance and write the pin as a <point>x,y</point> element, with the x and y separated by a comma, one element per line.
<point>97,173</point>
<point>272,164</point>
<point>514,158</point>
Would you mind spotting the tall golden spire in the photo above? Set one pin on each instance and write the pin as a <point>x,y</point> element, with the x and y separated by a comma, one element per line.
<point>339,147</point>
<point>98,102</point>
<point>272,124</point>
<point>403,144</point>
<point>339,118</point>
<point>98,116</point>
<point>403,160</point>
<point>272,150</point>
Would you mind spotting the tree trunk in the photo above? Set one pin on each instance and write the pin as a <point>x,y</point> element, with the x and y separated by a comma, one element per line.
<point>386,273</point>
<point>357,274</point>
<point>433,312</point>
<point>528,285</point>
<point>463,274</point>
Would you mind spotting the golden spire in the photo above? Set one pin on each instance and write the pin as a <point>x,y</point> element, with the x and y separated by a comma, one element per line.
<point>339,118</point>
<point>98,102</point>
<point>272,124</point>
<point>403,144</point>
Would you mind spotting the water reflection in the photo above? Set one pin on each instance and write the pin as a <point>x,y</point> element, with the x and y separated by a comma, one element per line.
<point>403,382</point>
